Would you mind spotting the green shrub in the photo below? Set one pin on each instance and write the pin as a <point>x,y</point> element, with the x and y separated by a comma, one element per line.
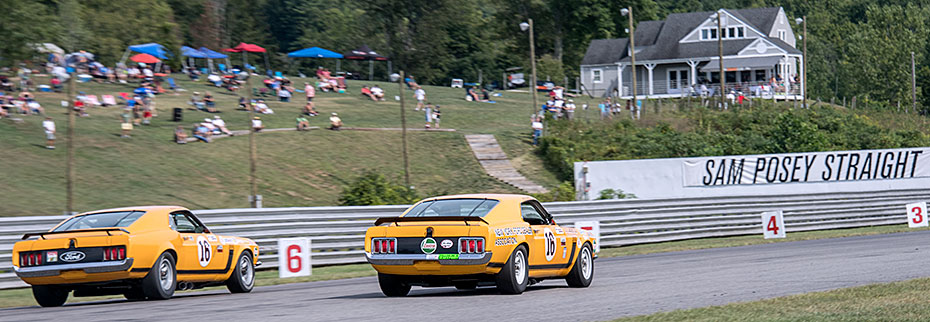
<point>374,189</point>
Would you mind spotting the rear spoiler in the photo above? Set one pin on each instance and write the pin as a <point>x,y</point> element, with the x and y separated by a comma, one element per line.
<point>42,234</point>
<point>434,218</point>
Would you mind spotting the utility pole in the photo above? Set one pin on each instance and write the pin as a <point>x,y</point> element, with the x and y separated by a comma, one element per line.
<point>804,64</point>
<point>913,83</point>
<point>69,168</point>
<point>254,199</point>
<point>533,65</point>
<point>632,61</point>
<point>403,128</point>
<point>723,73</point>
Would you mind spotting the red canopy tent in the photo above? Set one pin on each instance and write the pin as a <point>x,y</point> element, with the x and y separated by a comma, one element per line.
<point>145,58</point>
<point>249,48</point>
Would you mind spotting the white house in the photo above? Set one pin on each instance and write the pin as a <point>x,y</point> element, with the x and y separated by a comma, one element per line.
<point>675,56</point>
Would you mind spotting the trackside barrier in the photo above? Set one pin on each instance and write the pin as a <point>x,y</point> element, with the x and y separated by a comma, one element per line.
<point>337,233</point>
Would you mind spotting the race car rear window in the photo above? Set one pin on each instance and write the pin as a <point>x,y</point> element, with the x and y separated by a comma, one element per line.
<point>101,220</point>
<point>453,207</point>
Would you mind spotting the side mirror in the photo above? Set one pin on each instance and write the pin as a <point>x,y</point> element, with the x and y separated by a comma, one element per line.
<point>553,222</point>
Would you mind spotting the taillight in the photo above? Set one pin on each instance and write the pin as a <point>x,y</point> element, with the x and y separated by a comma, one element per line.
<point>122,253</point>
<point>114,253</point>
<point>391,249</point>
<point>464,244</point>
<point>471,246</point>
<point>39,259</point>
<point>480,248</point>
<point>383,245</point>
<point>106,254</point>
<point>375,246</point>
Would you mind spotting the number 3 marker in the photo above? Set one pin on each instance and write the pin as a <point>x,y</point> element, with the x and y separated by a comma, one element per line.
<point>917,215</point>
<point>773,224</point>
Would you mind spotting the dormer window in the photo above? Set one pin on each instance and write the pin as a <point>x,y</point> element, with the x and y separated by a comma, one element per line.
<point>782,35</point>
<point>728,33</point>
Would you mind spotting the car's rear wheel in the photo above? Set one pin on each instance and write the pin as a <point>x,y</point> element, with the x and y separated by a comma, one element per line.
<point>393,285</point>
<point>242,278</point>
<point>162,279</point>
<point>514,276</point>
<point>582,272</point>
<point>50,295</point>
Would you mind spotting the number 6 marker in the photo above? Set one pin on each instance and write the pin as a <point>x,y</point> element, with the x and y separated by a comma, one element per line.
<point>773,224</point>
<point>916,214</point>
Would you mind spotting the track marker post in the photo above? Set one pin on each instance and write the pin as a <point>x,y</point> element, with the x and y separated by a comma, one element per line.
<point>917,215</point>
<point>773,224</point>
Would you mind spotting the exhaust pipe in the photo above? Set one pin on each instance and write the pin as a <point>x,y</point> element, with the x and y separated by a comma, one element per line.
<point>184,286</point>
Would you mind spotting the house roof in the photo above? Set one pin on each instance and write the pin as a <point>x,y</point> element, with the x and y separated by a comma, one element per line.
<point>605,51</point>
<point>783,45</point>
<point>659,40</point>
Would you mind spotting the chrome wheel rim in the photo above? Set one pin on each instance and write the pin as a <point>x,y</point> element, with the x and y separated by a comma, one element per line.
<point>586,265</point>
<point>519,267</point>
<point>165,275</point>
<point>246,273</point>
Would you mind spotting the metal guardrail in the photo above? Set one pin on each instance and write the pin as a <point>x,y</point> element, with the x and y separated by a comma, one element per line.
<point>338,232</point>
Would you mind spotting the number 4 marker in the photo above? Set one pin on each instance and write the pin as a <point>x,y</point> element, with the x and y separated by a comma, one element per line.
<point>917,215</point>
<point>773,224</point>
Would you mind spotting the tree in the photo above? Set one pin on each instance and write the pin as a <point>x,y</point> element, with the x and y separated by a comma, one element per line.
<point>33,23</point>
<point>374,189</point>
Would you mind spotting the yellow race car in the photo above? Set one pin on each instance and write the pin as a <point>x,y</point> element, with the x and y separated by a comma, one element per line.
<point>477,240</point>
<point>139,252</point>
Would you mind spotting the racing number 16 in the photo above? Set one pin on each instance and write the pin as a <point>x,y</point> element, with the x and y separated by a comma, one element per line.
<point>204,253</point>
<point>917,215</point>
<point>773,224</point>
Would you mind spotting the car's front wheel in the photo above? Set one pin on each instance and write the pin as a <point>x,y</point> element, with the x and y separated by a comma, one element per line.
<point>50,295</point>
<point>242,278</point>
<point>582,272</point>
<point>393,285</point>
<point>514,276</point>
<point>162,279</point>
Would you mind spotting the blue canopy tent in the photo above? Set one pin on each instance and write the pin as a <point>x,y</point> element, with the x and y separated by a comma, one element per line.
<point>153,49</point>
<point>211,55</point>
<point>191,53</point>
<point>203,53</point>
<point>316,52</point>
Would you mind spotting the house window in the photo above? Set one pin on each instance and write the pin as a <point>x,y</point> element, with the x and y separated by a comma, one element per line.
<point>731,32</point>
<point>760,75</point>
<point>596,75</point>
<point>677,79</point>
<point>705,33</point>
<point>741,32</point>
<point>782,35</point>
<point>709,33</point>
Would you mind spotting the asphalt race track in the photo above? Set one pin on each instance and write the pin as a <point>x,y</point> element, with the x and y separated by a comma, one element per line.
<point>623,286</point>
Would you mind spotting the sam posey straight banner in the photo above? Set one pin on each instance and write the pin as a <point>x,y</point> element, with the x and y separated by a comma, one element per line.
<point>783,173</point>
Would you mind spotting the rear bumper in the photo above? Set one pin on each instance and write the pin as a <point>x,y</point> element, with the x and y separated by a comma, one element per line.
<point>55,270</point>
<point>410,259</point>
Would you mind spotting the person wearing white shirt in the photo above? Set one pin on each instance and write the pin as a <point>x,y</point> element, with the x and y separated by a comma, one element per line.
<point>570,110</point>
<point>420,95</point>
<point>257,124</point>
<point>49,127</point>
<point>377,92</point>
<point>537,129</point>
<point>220,124</point>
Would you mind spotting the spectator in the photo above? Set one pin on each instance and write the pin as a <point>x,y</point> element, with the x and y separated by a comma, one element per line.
<point>56,84</point>
<point>537,129</point>
<point>209,101</point>
<point>208,123</point>
<point>335,123</point>
<point>309,110</point>
<point>283,94</point>
<point>310,91</point>
<point>201,133</point>
<point>221,125</point>
<point>263,108</point>
<point>367,93</point>
<point>428,111</point>
<point>49,127</point>
<point>420,95</point>
<point>411,83</point>
<point>377,92</point>
<point>570,110</point>
<point>472,95</point>
<point>197,101</point>
<point>180,136</point>
<point>244,104</point>
<point>558,92</point>
<point>436,115</point>
<point>126,128</point>
<point>485,96</point>
<point>302,123</point>
<point>257,125</point>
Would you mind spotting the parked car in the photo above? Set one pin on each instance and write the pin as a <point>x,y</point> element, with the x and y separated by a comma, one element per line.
<point>466,241</point>
<point>139,252</point>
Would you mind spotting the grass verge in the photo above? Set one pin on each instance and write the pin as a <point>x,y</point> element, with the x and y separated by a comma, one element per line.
<point>897,301</point>
<point>23,297</point>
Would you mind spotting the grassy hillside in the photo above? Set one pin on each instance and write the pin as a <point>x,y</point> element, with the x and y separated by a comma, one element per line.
<point>295,168</point>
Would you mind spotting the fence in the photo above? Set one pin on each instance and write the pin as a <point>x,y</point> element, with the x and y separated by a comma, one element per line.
<point>338,232</point>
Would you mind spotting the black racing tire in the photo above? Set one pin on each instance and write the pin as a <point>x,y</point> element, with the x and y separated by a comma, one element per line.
<point>582,272</point>
<point>162,279</point>
<point>50,295</point>
<point>393,285</point>
<point>466,285</point>
<point>135,294</point>
<point>242,279</point>
<point>514,276</point>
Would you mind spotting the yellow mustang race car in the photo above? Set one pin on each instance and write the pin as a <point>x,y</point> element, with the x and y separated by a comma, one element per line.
<point>139,252</point>
<point>475,240</point>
